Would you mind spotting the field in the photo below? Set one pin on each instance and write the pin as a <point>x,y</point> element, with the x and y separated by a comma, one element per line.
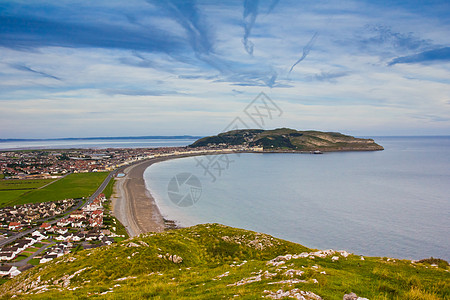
<point>72,186</point>
<point>220,262</point>
<point>11,189</point>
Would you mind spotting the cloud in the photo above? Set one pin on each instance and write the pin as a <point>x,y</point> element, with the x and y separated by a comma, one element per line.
<point>28,69</point>
<point>28,32</point>
<point>306,50</point>
<point>188,16</point>
<point>384,35</point>
<point>272,6</point>
<point>137,92</point>
<point>328,76</point>
<point>431,56</point>
<point>249,18</point>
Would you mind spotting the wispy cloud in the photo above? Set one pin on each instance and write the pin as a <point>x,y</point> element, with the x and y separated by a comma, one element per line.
<point>306,50</point>
<point>28,32</point>
<point>426,57</point>
<point>384,35</point>
<point>249,18</point>
<point>28,69</point>
<point>328,76</point>
<point>138,92</point>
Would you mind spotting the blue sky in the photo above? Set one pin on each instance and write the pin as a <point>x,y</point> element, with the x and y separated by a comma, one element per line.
<point>131,68</point>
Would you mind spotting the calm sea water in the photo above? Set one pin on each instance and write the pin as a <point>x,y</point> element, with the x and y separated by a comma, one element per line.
<point>388,203</point>
<point>98,144</point>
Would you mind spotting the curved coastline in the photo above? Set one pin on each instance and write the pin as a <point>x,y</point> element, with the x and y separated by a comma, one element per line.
<point>133,205</point>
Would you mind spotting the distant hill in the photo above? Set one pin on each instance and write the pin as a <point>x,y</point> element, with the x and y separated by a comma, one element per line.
<point>285,139</point>
<point>213,261</point>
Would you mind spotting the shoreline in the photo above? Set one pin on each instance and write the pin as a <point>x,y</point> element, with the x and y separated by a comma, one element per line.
<point>133,204</point>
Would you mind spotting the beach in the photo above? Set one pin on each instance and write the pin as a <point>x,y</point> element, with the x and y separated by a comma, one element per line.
<point>133,205</point>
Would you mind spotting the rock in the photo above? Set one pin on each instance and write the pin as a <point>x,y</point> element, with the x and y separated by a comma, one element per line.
<point>351,296</point>
<point>176,259</point>
<point>335,258</point>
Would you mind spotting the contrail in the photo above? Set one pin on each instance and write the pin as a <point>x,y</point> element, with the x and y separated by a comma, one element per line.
<point>306,50</point>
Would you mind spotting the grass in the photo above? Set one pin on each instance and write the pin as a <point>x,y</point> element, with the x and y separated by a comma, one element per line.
<point>7,197</point>
<point>21,256</point>
<point>109,188</point>
<point>211,250</point>
<point>17,184</point>
<point>72,186</point>
<point>12,189</point>
<point>34,261</point>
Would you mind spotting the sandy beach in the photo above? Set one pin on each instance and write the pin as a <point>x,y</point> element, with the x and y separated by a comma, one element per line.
<point>133,205</point>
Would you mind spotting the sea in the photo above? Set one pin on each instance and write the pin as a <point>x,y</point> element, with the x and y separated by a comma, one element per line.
<point>391,203</point>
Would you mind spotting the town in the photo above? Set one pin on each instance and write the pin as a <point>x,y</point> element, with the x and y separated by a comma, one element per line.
<point>80,229</point>
<point>37,164</point>
<point>35,233</point>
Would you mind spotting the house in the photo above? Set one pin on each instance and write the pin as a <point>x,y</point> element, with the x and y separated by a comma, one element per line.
<point>7,255</point>
<point>47,258</point>
<point>14,225</point>
<point>97,213</point>
<point>62,230</point>
<point>45,226</point>
<point>38,235</point>
<point>77,214</point>
<point>64,237</point>
<point>9,271</point>
<point>78,223</point>
<point>13,249</point>
<point>63,222</point>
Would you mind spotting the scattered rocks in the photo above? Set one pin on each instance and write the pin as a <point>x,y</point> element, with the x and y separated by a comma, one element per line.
<point>126,278</point>
<point>131,244</point>
<point>292,273</point>
<point>259,277</point>
<point>289,281</point>
<point>143,244</point>
<point>294,293</point>
<point>235,264</point>
<point>260,241</point>
<point>353,296</point>
<point>173,258</point>
<point>222,275</point>
<point>279,260</point>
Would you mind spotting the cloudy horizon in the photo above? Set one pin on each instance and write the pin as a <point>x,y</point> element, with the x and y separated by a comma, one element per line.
<point>141,68</point>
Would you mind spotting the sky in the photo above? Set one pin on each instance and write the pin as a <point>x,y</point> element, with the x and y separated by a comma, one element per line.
<point>73,68</point>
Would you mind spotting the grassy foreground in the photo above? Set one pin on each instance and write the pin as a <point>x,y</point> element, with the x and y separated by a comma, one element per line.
<point>213,261</point>
<point>72,186</point>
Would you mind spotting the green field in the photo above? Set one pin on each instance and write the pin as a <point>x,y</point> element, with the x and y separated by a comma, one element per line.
<point>17,184</point>
<point>72,186</point>
<point>11,189</point>
<point>109,189</point>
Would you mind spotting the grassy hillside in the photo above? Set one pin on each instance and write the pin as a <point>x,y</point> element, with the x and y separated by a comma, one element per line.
<point>72,186</point>
<point>213,261</point>
<point>289,139</point>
